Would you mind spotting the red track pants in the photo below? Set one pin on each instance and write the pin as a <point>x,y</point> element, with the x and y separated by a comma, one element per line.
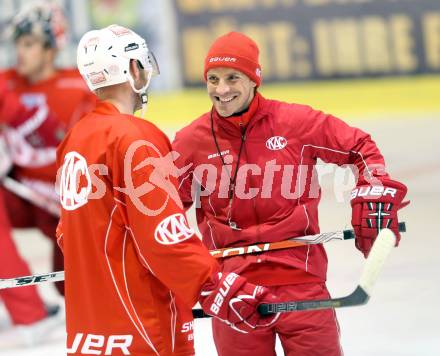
<point>23,214</point>
<point>23,304</point>
<point>305,333</point>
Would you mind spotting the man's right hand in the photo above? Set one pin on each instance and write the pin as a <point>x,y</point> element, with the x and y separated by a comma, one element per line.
<point>233,300</point>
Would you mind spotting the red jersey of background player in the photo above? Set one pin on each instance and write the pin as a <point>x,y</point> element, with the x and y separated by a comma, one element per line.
<point>66,97</point>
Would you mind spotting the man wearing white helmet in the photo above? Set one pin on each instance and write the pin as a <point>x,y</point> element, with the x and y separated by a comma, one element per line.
<point>53,99</point>
<point>133,266</point>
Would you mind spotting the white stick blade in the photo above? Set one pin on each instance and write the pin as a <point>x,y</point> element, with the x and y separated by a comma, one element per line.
<point>6,283</point>
<point>383,245</point>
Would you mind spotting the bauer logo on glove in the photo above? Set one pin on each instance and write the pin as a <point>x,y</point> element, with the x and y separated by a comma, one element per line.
<point>375,208</point>
<point>234,301</point>
<point>373,191</point>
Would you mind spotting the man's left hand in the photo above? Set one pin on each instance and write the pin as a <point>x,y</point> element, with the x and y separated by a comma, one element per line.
<point>375,207</point>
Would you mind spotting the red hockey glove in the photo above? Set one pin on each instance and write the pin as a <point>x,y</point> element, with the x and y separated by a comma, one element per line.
<point>234,301</point>
<point>374,208</point>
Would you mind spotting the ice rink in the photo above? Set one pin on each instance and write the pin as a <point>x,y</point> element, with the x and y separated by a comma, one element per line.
<point>402,317</point>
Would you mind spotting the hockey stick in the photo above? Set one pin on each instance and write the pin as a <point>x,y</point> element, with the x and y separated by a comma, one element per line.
<point>373,265</point>
<point>31,280</point>
<point>382,247</point>
<point>293,242</point>
<point>311,239</point>
<point>26,193</point>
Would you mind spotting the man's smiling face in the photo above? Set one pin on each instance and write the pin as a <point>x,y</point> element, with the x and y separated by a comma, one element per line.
<point>230,90</point>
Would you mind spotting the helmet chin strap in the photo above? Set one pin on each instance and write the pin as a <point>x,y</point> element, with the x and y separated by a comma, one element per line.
<point>142,91</point>
<point>144,98</point>
<point>144,101</point>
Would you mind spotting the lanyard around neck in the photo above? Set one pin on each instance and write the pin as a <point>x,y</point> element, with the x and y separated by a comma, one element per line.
<point>233,177</point>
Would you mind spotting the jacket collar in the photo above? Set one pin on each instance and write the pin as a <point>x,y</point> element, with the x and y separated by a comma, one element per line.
<point>233,124</point>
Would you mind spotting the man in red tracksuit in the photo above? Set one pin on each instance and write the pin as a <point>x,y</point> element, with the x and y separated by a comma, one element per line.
<point>249,166</point>
<point>134,267</point>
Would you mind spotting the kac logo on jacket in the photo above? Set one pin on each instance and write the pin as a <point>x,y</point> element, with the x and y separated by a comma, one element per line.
<point>75,184</point>
<point>276,143</point>
<point>173,229</point>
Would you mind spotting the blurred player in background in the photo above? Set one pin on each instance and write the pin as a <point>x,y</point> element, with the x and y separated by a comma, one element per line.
<point>134,267</point>
<point>39,33</point>
<point>254,160</point>
<point>30,317</point>
<point>53,100</point>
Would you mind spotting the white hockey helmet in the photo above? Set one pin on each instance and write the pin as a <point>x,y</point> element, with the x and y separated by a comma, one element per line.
<point>103,58</point>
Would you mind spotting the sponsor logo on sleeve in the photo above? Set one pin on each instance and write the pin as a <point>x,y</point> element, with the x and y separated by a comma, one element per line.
<point>173,229</point>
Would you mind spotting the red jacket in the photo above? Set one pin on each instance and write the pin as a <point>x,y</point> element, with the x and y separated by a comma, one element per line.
<point>133,266</point>
<point>264,206</point>
<point>55,104</point>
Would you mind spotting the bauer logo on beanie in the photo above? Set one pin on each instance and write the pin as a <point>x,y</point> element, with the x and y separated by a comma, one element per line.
<point>235,50</point>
